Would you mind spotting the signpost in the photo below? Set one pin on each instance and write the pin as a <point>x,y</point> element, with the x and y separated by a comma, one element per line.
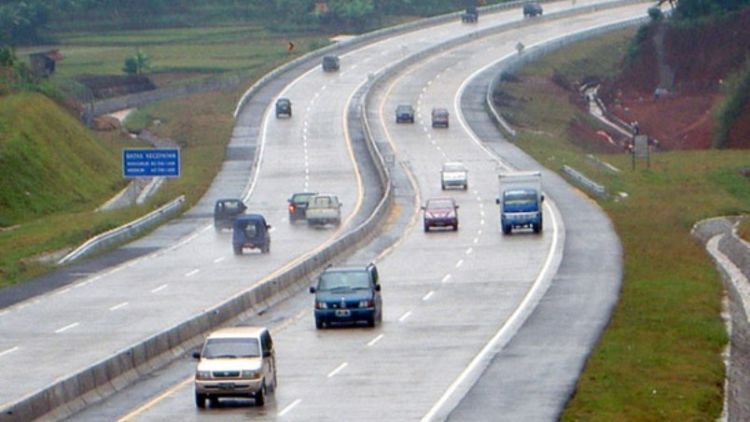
<point>151,162</point>
<point>640,149</point>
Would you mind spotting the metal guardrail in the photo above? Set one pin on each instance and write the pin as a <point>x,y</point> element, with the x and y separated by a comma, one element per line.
<point>585,182</point>
<point>123,233</point>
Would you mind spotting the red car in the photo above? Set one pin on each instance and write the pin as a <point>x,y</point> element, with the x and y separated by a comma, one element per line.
<point>440,212</point>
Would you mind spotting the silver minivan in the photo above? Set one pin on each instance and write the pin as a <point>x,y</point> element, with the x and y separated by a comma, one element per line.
<point>235,362</point>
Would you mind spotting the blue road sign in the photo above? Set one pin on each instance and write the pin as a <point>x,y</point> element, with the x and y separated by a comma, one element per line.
<point>151,162</point>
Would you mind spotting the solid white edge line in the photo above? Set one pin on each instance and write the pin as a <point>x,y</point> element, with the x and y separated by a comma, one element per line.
<point>338,369</point>
<point>375,340</point>
<point>290,407</point>
<point>9,351</point>
<point>67,327</point>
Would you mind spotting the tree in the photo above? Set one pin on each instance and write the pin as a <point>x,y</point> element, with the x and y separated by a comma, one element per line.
<point>137,63</point>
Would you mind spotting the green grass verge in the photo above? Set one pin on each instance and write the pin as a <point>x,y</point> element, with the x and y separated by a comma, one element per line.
<point>659,359</point>
<point>744,229</point>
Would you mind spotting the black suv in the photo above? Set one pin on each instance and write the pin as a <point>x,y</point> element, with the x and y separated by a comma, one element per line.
<point>404,113</point>
<point>298,205</point>
<point>283,107</point>
<point>348,295</point>
<point>330,63</point>
<point>226,211</point>
<point>532,9</point>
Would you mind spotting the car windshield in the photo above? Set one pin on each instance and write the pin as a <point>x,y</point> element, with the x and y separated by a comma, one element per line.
<point>230,206</point>
<point>322,202</point>
<point>344,280</point>
<point>519,197</point>
<point>454,167</point>
<point>440,113</point>
<point>231,348</point>
<point>404,109</point>
<point>439,204</point>
<point>302,198</point>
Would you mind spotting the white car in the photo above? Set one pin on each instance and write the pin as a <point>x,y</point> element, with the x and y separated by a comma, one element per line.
<point>454,175</point>
<point>235,362</point>
<point>323,209</point>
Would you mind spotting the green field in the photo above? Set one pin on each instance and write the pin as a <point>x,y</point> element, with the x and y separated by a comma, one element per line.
<point>34,232</point>
<point>660,357</point>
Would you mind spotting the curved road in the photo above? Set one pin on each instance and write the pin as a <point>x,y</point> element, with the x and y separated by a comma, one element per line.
<point>453,300</point>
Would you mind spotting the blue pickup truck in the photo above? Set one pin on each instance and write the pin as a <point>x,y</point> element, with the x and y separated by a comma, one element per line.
<point>520,201</point>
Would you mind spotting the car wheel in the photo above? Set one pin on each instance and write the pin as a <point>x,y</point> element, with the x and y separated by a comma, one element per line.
<point>260,396</point>
<point>426,228</point>
<point>238,250</point>
<point>455,227</point>
<point>466,186</point>
<point>371,320</point>
<point>318,323</point>
<point>214,401</point>
<point>538,227</point>
<point>200,400</point>
<point>506,228</point>
<point>442,186</point>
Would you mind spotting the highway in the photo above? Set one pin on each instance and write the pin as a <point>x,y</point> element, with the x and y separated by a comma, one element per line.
<point>452,300</point>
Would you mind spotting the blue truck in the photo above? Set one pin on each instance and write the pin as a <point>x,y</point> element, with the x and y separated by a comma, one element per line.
<point>520,200</point>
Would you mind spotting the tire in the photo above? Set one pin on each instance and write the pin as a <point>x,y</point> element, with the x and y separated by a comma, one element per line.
<point>442,186</point>
<point>371,321</point>
<point>214,402</point>
<point>466,186</point>
<point>538,227</point>
<point>260,396</point>
<point>507,229</point>
<point>455,227</point>
<point>238,250</point>
<point>265,249</point>
<point>426,228</point>
<point>318,323</point>
<point>200,401</point>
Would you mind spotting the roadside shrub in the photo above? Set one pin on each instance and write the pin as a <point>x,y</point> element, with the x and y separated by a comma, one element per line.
<point>655,14</point>
<point>737,96</point>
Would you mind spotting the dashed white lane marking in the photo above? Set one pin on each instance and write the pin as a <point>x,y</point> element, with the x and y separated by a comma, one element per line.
<point>193,272</point>
<point>481,204</point>
<point>404,316</point>
<point>479,232</point>
<point>219,259</point>
<point>62,292</point>
<point>290,407</point>
<point>67,327</point>
<point>476,240</point>
<point>375,340</point>
<point>481,213</point>
<point>9,351</point>
<point>160,288</point>
<point>476,192</point>
<point>338,369</point>
<point>479,199</point>
<point>428,295</point>
<point>120,306</point>
<point>459,263</point>
<point>481,222</point>
<point>446,278</point>
<point>469,251</point>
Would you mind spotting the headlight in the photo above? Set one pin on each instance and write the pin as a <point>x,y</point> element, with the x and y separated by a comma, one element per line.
<point>321,305</point>
<point>365,303</point>
<point>202,375</point>
<point>249,374</point>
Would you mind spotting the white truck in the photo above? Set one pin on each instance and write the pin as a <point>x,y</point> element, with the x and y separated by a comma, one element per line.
<point>520,200</point>
<point>322,209</point>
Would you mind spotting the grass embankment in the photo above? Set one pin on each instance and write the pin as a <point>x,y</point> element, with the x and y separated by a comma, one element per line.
<point>659,359</point>
<point>58,215</point>
<point>53,172</point>
<point>744,229</point>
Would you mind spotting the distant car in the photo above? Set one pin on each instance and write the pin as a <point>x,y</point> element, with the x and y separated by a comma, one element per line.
<point>348,295</point>
<point>235,362</point>
<point>439,117</point>
<point>322,209</point>
<point>283,107</point>
<point>532,9</point>
<point>298,205</point>
<point>226,211</point>
<point>454,174</point>
<point>471,15</point>
<point>404,113</point>
<point>440,212</point>
<point>251,231</point>
<point>331,63</point>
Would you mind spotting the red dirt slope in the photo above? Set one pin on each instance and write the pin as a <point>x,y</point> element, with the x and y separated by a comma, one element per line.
<point>699,58</point>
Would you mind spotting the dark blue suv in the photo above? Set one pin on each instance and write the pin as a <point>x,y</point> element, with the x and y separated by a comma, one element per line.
<point>348,295</point>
